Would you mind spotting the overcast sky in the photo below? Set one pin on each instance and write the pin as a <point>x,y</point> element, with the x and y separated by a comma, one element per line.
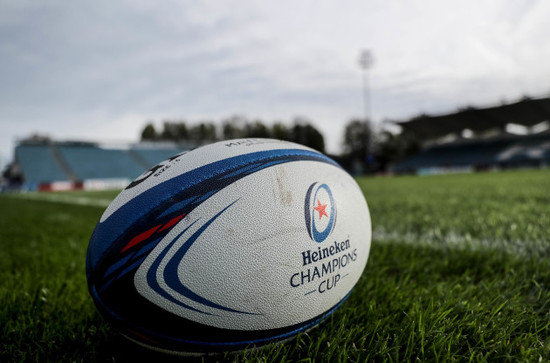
<point>100,69</point>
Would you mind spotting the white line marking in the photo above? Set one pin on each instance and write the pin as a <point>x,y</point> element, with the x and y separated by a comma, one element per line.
<point>60,198</point>
<point>463,242</point>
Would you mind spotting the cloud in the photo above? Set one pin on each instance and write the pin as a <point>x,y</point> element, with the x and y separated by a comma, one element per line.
<point>67,65</point>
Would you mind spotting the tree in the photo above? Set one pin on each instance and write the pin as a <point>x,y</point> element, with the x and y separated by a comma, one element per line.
<point>175,131</point>
<point>37,138</point>
<point>280,131</point>
<point>304,133</point>
<point>301,132</point>
<point>358,139</point>
<point>149,133</point>
<point>203,132</point>
<point>358,146</point>
<point>257,129</point>
<point>394,148</point>
<point>233,128</point>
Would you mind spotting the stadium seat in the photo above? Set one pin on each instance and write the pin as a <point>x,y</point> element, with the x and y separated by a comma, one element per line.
<point>39,164</point>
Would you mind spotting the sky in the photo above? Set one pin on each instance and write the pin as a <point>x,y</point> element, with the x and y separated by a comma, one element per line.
<point>100,70</point>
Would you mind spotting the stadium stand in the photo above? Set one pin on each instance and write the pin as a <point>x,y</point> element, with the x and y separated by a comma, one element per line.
<point>38,164</point>
<point>490,145</point>
<point>527,112</point>
<point>92,162</point>
<point>49,165</point>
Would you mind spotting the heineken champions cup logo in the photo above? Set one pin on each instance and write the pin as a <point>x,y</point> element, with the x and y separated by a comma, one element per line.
<point>320,212</point>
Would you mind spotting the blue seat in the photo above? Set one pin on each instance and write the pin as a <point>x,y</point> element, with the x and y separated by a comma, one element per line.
<point>92,162</point>
<point>38,164</point>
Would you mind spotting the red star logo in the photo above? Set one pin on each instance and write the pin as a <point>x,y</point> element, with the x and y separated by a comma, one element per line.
<point>321,209</point>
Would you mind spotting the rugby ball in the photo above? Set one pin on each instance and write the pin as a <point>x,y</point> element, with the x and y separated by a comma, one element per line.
<point>231,245</point>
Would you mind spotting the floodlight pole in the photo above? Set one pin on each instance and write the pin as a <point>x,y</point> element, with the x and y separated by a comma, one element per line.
<point>365,62</point>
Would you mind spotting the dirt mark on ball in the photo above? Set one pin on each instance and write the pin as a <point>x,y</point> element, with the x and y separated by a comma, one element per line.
<point>284,192</point>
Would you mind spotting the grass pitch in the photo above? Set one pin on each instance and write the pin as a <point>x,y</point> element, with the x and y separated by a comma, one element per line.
<point>458,271</point>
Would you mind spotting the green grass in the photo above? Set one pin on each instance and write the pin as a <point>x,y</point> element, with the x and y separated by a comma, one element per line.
<point>459,271</point>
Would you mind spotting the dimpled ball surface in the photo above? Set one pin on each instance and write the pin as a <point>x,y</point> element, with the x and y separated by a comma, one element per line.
<point>230,245</point>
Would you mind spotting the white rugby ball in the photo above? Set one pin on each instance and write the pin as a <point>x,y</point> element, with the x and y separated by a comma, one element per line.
<point>230,245</point>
